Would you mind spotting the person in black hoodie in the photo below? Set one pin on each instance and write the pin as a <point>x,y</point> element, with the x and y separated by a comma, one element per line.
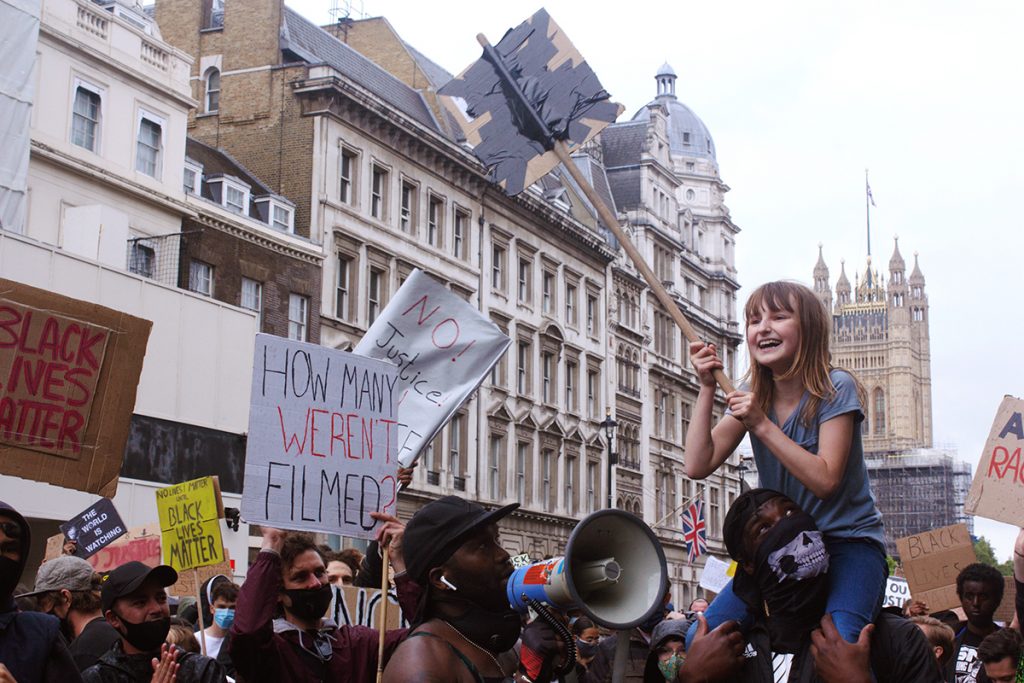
<point>31,647</point>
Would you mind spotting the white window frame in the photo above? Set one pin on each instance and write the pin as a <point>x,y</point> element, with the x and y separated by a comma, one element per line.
<point>252,299</point>
<point>298,317</point>
<point>210,73</point>
<point>379,193</point>
<point>408,199</point>
<point>460,232</point>
<point>200,277</point>
<point>98,124</point>
<point>161,121</point>
<point>197,171</point>
<point>347,183</point>
<point>435,220</point>
<point>343,286</point>
<point>288,224</point>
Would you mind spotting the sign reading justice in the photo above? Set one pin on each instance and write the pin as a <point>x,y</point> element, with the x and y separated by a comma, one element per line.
<point>323,439</point>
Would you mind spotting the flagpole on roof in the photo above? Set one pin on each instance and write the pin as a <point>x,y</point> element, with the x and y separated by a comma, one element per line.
<point>869,201</point>
<point>681,507</point>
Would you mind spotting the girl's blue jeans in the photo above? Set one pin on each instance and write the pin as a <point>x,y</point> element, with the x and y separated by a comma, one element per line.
<point>856,587</point>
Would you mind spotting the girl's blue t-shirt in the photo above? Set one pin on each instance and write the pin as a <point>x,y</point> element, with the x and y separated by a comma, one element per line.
<point>851,512</point>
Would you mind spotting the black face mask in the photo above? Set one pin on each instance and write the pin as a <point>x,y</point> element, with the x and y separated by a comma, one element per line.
<point>10,572</point>
<point>494,631</point>
<point>309,604</point>
<point>586,650</point>
<point>148,635</point>
<point>790,580</point>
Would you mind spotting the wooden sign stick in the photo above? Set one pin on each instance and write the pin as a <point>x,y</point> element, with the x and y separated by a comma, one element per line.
<point>199,604</point>
<point>607,215</point>
<point>383,627</point>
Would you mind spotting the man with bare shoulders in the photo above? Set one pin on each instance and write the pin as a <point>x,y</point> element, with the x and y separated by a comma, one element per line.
<point>465,630</point>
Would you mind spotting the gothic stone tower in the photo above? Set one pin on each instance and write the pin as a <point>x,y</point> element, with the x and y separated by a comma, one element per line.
<point>880,333</point>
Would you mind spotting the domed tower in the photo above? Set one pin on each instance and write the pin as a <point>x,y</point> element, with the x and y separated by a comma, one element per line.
<point>821,286</point>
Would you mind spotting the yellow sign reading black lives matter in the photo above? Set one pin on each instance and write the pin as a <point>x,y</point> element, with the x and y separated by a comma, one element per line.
<point>190,515</point>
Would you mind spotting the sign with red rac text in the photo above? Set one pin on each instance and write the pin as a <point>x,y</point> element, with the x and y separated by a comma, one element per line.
<point>997,491</point>
<point>68,374</point>
<point>932,560</point>
<point>323,439</point>
<point>443,348</point>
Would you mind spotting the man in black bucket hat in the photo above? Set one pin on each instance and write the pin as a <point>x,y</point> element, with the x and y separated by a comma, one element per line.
<point>465,628</point>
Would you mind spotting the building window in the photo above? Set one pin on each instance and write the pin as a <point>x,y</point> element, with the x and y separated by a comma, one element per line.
<point>347,176</point>
<point>344,287</point>
<point>498,256</point>
<point>281,218</point>
<point>592,315</point>
<point>548,292</point>
<point>879,421</point>
<point>592,394</point>
<point>200,277</point>
<point>570,386</point>
<point>525,266</point>
<point>591,487</point>
<point>455,434</point>
<point>375,298</point>
<point>521,451</point>
<point>547,363</point>
<point>212,90</point>
<point>378,192</point>
<point>148,146</point>
<point>252,299</point>
<point>234,198</point>
<point>190,180</point>
<point>494,467</point>
<point>570,305</point>
<point>141,259</point>
<point>85,118</point>
<point>459,234</point>
<point>298,317</point>
<point>435,226</point>
<point>523,368</point>
<point>570,485</point>
<point>545,479</point>
<point>407,220</point>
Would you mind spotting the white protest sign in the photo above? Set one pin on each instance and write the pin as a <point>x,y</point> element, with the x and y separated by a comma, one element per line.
<point>323,439</point>
<point>897,592</point>
<point>443,348</point>
<point>717,574</point>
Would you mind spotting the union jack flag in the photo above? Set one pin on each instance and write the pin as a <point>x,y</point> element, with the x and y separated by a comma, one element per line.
<point>694,532</point>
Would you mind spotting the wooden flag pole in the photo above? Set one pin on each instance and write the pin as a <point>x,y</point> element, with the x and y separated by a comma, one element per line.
<point>383,626</point>
<point>609,218</point>
<point>199,604</point>
<point>561,151</point>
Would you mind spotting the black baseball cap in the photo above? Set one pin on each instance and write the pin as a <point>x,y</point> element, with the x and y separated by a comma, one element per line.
<point>127,578</point>
<point>437,530</point>
<point>743,508</point>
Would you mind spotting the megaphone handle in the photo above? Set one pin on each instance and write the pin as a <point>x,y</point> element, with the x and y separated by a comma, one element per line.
<point>559,628</point>
<point>621,655</point>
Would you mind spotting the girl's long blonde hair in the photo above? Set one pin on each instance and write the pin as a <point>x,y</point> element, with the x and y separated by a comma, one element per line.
<point>813,360</point>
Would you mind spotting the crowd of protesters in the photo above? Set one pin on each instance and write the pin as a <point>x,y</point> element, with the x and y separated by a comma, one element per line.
<point>449,573</point>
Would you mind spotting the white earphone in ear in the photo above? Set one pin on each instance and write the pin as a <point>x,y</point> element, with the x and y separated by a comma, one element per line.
<point>445,581</point>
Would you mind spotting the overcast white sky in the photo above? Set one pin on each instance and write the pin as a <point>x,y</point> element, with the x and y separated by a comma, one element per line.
<point>800,98</point>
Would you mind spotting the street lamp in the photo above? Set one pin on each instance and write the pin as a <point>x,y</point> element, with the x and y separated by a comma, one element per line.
<point>609,429</point>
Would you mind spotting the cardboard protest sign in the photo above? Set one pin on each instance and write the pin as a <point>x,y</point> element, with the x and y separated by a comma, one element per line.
<point>68,375</point>
<point>94,528</point>
<point>443,347</point>
<point>352,606</point>
<point>189,582</point>
<point>189,515</point>
<point>717,574</point>
<point>54,547</point>
<point>897,592</point>
<point>932,560</point>
<point>323,439</point>
<point>521,560</point>
<point>551,78</point>
<point>997,491</point>
<point>141,544</point>
<point>1007,608</point>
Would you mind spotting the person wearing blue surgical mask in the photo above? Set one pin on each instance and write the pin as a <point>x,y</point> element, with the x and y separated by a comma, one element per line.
<point>223,596</point>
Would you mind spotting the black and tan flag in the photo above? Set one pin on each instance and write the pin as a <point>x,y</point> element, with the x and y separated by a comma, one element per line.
<point>528,91</point>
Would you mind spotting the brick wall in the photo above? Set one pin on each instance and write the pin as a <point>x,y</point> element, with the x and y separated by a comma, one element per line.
<point>234,258</point>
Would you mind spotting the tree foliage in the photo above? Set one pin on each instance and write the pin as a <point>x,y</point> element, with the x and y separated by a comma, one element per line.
<point>986,554</point>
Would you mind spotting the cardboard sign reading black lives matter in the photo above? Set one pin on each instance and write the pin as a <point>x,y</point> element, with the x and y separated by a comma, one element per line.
<point>323,439</point>
<point>95,528</point>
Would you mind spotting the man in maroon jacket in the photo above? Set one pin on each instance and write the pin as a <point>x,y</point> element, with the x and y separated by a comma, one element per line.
<point>290,574</point>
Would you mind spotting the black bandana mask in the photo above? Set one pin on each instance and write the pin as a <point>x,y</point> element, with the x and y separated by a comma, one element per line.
<point>310,604</point>
<point>790,580</point>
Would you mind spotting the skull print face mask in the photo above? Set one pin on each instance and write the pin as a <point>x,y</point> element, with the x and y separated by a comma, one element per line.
<point>790,580</point>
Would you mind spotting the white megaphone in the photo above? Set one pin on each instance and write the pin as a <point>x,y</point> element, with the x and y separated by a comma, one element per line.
<point>614,570</point>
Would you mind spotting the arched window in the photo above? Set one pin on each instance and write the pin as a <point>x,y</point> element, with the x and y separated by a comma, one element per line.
<point>212,90</point>
<point>879,412</point>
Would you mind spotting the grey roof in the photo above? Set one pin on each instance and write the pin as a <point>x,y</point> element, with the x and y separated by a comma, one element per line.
<point>623,143</point>
<point>216,161</point>
<point>625,187</point>
<point>435,72</point>
<point>315,45</point>
<point>687,134</point>
<point>595,175</point>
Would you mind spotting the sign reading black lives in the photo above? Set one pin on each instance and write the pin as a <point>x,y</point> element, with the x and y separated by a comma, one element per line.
<point>95,528</point>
